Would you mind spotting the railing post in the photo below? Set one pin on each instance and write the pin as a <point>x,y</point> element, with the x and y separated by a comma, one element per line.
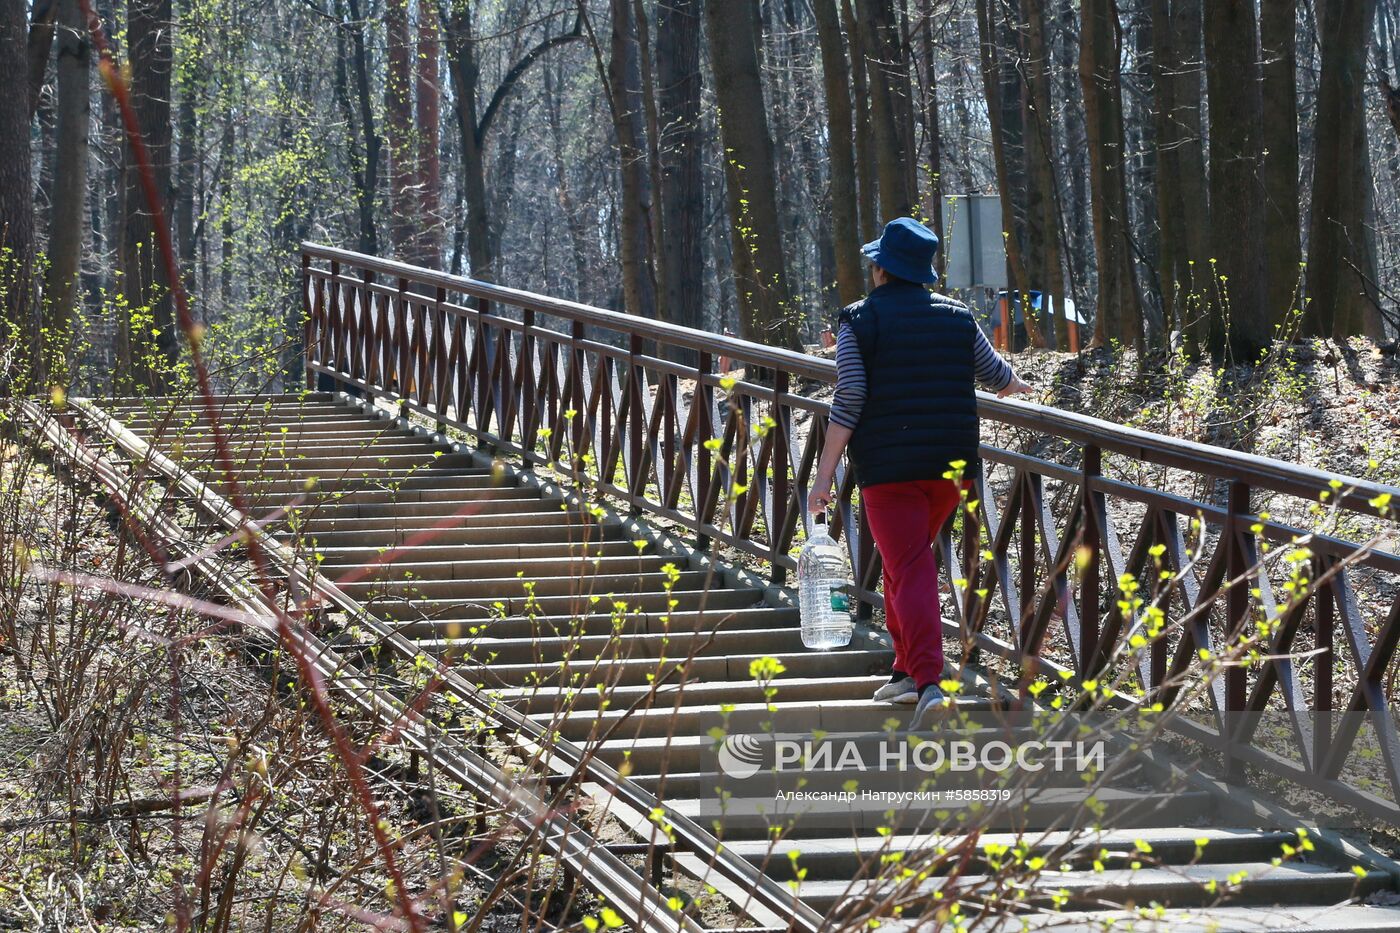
<point>1324,621</point>
<point>1089,596</point>
<point>865,555</point>
<point>636,425</point>
<point>334,325</point>
<point>972,554</point>
<point>404,369</point>
<point>780,479</point>
<point>308,325</point>
<point>441,379</point>
<point>368,334</point>
<point>1237,609</point>
<point>704,430</point>
<point>529,402</point>
<point>578,401</point>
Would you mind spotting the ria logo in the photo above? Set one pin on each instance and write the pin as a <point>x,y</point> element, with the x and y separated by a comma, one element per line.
<point>740,756</point>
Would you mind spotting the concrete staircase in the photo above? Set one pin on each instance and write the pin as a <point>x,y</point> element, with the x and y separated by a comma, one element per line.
<point>542,602</point>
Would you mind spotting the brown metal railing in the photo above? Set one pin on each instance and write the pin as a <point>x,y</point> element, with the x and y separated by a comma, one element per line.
<point>1037,558</point>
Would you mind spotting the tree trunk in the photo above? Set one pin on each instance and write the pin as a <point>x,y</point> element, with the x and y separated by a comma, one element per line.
<point>868,220</point>
<point>369,186</point>
<point>1241,326</point>
<point>1278,24</point>
<point>145,282</point>
<point>16,196</point>
<point>1191,223</point>
<point>875,20</point>
<point>933,131</point>
<point>70,188</point>
<point>398,126</point>
<point>461,59</point>
<point>37,47</point>
<point>625,83</point>
<point>577,234</point>
<point>850,278</point>
<point>1002,142</point>
<point>1043,265</point>
<point>680,144</point>
<point>429,136</point>
<point>760,271</point>
<point>1341,272</point>
<point>656,215</point>
<point>1172,274</point>
<point>187,161</point>
<point>1118,311</point>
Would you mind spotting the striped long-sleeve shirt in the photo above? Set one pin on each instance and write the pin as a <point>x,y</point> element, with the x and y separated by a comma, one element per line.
<point>990,369</point>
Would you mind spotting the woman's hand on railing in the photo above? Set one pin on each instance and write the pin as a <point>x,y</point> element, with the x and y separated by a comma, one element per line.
<point>1016,387</point>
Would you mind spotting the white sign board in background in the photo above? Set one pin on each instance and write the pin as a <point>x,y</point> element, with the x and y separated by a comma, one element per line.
<point>973,249</point>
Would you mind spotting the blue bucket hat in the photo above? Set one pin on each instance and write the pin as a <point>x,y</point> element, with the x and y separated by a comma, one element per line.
<point>905,250</point>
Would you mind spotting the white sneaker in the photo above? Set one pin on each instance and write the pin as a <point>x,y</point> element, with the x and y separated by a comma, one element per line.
<point>903,692</point>
<point>932,705</point>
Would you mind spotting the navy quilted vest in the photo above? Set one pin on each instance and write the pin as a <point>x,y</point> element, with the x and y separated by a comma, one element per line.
<point>920,410</point>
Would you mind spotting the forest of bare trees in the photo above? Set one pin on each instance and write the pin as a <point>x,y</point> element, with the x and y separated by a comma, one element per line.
<point>1211,175</point>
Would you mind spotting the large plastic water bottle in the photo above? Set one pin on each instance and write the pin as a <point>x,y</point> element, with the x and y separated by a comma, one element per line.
<point>821,577</point>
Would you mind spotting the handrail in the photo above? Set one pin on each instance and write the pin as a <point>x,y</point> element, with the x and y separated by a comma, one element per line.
<point>1261,472</point>
<point>732,460</point>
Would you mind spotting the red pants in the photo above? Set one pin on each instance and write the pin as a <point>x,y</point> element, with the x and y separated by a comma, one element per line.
<point>905,518</point>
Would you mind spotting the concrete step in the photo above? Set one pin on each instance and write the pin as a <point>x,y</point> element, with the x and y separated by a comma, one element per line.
<point>343,430</point>
<point>1353,918</point>
<point>542,650</point>
<point>428,555</point>
<point>270,422</point>
<point>230,412</point>
<point>330,514</point>
<point>551,528</point>
<point>472,566</point>
<point>631,672</point>
<point>590,603</point>
<point>310,462</point>
<point>399,501</point>
<point>301,447</point>
<point>1051,809</point>
<point>356,434</point>
<point>859,715</point>
<point>1175,886</point>
<point>684,623</point>
<point>354,479</point>
<point>844,857</point>
<point>688,745</point>
<point>611,586</point>
<point>536,699</point>
<point>143,402</point>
